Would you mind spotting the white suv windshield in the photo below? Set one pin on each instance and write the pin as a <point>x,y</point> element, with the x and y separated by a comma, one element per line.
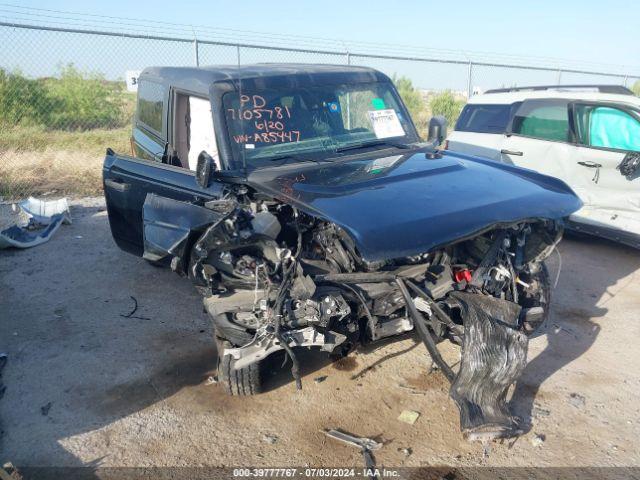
<point>271,124</point>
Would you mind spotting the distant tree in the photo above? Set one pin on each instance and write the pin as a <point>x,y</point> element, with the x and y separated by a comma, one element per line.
<point>412,98</point>
<point>636,88</point>
<point>447,105</point>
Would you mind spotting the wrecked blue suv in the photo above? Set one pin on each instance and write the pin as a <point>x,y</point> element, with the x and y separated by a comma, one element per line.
<point>302,203</point>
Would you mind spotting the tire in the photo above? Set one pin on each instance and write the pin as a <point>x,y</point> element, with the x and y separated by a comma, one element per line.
<point>244,381</point>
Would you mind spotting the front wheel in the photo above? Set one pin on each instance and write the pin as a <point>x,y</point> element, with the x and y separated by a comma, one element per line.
<point>238,382</point>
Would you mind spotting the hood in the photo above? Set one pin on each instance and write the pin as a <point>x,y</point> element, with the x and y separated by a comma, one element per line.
<point>404,205</point>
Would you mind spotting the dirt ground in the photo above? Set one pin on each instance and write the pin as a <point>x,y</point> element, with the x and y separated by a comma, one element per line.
<point>87,386</point>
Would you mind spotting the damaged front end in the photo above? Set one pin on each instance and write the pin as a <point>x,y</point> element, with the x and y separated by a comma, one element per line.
<point>275,278</point>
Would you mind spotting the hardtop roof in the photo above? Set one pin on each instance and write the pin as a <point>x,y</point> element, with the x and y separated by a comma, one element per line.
<point>200,79</point>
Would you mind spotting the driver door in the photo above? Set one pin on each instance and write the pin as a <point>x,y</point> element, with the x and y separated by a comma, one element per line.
<point>165,117</point>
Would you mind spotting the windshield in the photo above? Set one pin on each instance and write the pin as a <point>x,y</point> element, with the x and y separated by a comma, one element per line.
<point>277,124</point>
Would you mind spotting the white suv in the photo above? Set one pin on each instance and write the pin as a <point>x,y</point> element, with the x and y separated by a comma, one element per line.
<point>588,136</point>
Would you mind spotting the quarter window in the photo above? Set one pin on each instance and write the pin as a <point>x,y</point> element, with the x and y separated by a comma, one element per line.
<point>150,100</point>
<point>484,118</point>
<point>547,120</point>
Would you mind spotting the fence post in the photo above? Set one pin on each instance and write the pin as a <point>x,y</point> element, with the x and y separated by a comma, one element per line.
<point>626,77</point>
<point>470,80</point>
<point>348,58</point>
<point>559,76</point>
<point>238,54</point>
<point>196,53</point>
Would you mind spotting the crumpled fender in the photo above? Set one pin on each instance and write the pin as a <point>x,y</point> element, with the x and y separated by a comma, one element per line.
<point>168,226</point>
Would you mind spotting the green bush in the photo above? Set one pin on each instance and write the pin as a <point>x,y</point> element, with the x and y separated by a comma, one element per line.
<point>72,101</point>
<point>83,102</point>
<point>22,101</point>
<point>447,105</point>
<point>444,103</point>
<point>636,88</point>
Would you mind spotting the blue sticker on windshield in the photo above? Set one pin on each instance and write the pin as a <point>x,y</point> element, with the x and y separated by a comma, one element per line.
<point>378,104</point>
<point>334,107</point>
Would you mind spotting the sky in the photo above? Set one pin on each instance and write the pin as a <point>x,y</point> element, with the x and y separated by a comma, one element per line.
<point>584,30</point>
<point>580,31</point>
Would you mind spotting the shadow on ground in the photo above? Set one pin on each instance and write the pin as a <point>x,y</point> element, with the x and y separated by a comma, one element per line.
<point>62,324</point>
<point>591,268</point>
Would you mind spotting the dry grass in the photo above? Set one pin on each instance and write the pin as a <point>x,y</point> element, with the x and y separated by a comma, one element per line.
<point>49,172</point>
<point>38,162</point>
<point>27,139</point>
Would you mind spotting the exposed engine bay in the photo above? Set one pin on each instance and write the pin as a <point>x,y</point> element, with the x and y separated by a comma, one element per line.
<point>276,278</point>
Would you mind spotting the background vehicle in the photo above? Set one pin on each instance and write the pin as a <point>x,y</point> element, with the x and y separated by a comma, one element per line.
<point>315,217</point>
<point>588,136</point>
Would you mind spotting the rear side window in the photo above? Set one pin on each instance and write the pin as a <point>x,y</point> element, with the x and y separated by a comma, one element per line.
<point>544,119</point>
<point>150,99</point>
<point>484,118</point>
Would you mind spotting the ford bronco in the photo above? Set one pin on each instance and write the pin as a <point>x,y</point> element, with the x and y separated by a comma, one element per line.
<point>302,203</point>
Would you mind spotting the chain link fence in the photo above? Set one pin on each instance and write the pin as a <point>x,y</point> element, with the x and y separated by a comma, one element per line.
<point>63,97</point>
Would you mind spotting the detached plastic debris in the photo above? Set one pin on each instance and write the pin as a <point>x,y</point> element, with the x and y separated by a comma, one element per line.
<point>494,354</point>
<point>44,218</point>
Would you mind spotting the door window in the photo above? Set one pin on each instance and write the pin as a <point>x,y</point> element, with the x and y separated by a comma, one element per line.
<point>201,131</point>
<point>608,127</point>
<point>544,119</point>
<point>193,130</point>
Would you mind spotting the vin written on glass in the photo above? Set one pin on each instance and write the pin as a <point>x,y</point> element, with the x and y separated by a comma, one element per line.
<point>263,125</point>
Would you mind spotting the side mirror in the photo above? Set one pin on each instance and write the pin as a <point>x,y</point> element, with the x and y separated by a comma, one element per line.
<point>630,165</point>
<point>205,167</point>
<point>437,130</point>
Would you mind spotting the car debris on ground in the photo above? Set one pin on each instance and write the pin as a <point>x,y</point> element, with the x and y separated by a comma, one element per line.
<point>35,222</point>
<point>134,310</point>
<point>269,438</point>
<point>538,440</point>
<point>577,400</point>
<point>9,472</point>
<point>366,445</point>
<point>538,411</point>
<point>406,451</point>
<point>409,416</point>
<point>412,390</point>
